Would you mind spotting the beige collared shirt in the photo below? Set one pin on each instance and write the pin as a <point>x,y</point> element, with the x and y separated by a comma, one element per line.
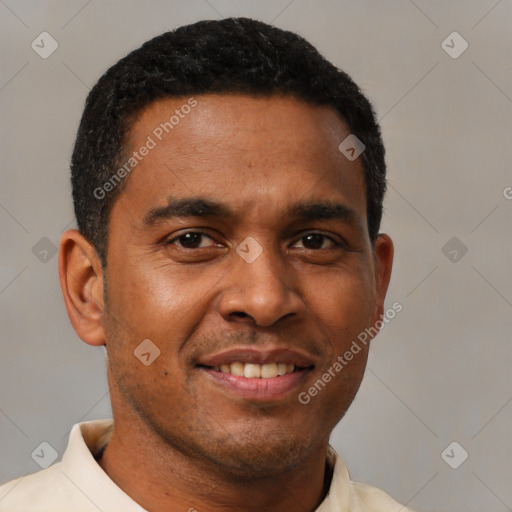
<point>79,484</point>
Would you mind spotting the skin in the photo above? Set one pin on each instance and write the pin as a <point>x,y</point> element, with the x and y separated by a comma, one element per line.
<point>180,439</point>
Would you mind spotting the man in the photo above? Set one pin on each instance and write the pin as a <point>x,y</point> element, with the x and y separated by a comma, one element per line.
<point>228,185</point>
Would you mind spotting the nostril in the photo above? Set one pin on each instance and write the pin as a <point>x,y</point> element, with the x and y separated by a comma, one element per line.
<point>240,314</point>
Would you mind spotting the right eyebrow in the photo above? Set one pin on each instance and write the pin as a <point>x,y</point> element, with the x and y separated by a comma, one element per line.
<point>186,207</point>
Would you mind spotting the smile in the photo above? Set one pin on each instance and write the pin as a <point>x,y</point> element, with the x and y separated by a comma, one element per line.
<point>257,371</point>
<point>268,375</point>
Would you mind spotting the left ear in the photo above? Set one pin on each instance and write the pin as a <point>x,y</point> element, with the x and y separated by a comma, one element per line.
<point>383,257</point>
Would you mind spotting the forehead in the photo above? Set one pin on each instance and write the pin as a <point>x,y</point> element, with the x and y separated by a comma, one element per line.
<point>243,150</point>
<point>278,122</point>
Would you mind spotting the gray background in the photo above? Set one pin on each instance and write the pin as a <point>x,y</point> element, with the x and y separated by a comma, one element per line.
<point>440,371</point>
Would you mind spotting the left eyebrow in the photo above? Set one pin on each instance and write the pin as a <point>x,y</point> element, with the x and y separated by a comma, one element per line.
<point>325,210</point>
<point>322,210</point>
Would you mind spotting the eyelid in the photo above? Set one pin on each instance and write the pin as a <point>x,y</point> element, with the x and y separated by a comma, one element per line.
<point>337,241</point>
<point>168,240</point>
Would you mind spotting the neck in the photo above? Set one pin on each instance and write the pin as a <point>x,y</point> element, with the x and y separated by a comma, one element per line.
<point>160,478</point>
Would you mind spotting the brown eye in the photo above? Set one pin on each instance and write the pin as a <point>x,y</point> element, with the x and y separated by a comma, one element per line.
<point>190,240</point>
<point>315,241</point>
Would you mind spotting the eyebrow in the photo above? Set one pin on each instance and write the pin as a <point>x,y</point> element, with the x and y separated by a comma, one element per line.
<point>323,210</point>
<point>311,210</point>
<point>187,207</point>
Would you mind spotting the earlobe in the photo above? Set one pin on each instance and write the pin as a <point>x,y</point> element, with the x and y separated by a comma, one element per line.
<point>383,254</point>
<point>81,280</point>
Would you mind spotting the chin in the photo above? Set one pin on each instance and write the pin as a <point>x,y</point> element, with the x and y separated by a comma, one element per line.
<point>258,455</point>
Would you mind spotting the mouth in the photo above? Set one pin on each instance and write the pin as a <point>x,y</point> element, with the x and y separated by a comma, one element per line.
<point>257,375</point>
<point>254,370</point>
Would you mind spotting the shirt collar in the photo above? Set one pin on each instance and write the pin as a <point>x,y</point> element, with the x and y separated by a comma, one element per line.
<point>79,465</point>
<point>339,496</point>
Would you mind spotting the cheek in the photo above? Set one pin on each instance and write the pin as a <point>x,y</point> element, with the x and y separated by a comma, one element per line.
<point>344,303</point>
<point>157,304</point>
<point>154,301</point>
<point>146,327</point>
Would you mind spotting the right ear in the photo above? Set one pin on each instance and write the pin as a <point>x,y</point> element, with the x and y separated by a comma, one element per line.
<point>81,281</point>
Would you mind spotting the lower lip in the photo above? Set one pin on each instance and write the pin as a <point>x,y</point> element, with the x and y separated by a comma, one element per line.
<point>273,388</point>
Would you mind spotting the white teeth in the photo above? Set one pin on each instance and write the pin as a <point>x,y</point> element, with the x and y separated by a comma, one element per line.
<point>237,369</point>
<point>268,370</point>
<point>256,371</point>
<point>281,368</point>
<point>252,371</point>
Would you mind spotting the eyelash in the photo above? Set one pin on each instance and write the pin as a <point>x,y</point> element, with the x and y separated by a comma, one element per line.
<point>197,232</point>
<point>202,233</point>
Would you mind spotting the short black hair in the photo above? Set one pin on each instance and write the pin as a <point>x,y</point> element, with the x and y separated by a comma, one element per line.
<point>233,55</point>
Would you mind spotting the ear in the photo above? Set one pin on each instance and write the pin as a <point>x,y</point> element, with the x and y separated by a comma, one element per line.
<point>383,257</point>
<point>81,280</point>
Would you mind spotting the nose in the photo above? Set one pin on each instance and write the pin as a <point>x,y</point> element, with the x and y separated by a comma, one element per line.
<point>262,292</point>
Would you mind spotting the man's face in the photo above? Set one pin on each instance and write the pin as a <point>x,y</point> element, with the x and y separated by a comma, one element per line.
<point>240,238</point>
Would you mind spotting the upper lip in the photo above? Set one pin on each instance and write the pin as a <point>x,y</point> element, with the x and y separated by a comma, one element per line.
<point>258,356</point>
